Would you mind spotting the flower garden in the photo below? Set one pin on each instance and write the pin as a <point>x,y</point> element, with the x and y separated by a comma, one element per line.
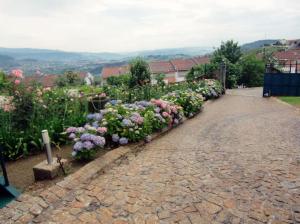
<point>130,115</point>
<point>121,123</point>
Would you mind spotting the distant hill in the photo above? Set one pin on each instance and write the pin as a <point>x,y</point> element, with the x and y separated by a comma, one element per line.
<point>57,55</point>
<point>56,61</point>
<point>39,54</point>
<point>257,44</point>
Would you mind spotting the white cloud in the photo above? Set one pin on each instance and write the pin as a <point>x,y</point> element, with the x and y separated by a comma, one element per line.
<point>127,25</point>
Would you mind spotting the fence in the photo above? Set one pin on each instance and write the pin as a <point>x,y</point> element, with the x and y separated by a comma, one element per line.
<point>282,79</point>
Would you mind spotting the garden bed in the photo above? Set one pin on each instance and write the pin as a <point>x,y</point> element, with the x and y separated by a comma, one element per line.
<point>21,174</point>
<point>117,124</point>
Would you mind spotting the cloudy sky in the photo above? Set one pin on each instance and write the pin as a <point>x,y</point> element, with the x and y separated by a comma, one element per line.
<point>129,25</point>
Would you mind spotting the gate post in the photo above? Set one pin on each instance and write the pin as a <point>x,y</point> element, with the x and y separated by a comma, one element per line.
<point>6,182</point>
<point>223,73</point>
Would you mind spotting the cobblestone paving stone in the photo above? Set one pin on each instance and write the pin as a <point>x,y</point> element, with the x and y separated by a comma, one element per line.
<point>237,162</point>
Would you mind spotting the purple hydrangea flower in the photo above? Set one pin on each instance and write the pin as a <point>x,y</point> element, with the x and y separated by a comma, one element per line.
<point>72,136</point>
<point>114,102</point>
<point>98,140</point>
<point>123,141</point>
<point>95,124</point>
<point>157,109</point>
<point>90,116</point>
<point>71,130</point>
<point>115,138</point>
<point>86,137</point>
<point>88,145</point>
<point>144,103</point>
<point>78,146</point>
<point>98,116</point>
<point>127,123</point>
<point>136,118</point>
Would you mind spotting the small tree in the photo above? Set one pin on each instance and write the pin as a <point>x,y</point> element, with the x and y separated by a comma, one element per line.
<point>139,72</point>
<point>233,72</point>
<point>197,72</point>
<point>3,81</point>
<point>201,71</point>
<point>69,78</point>
<point>252,71</point>
<point>160,79</point>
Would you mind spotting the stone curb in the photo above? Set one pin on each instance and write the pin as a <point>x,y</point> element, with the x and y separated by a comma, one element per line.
<point>27,206</point>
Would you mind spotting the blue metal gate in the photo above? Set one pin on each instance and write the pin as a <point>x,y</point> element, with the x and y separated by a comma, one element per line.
<point>282,81</point>
<point>7,192</point>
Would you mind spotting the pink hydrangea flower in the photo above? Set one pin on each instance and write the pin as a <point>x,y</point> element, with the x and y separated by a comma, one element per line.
<point>102,95</point>
<point>165,114</point>
<point>102,130</point>
<point>18,73</point>
<point>163,105</point>
<point>7,108</point>
<point>17,82</point>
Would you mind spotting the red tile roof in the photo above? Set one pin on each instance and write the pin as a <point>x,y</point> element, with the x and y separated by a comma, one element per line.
<point>49,80</point>
<point>158,67</point>
<point>201,60</point>
<point>183,64</point>
<point>29,80</point>
<point>288,55</point>
<point>114,71</point>
<point>46,80</point>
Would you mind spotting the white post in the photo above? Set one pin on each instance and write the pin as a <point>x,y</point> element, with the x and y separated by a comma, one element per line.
<point>46,141</point>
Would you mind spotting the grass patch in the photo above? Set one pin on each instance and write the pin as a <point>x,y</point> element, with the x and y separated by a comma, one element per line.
<point>293,100</point>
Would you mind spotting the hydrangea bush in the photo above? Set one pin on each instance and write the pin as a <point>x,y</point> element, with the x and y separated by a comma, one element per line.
<point>190,101</point>
<point>120,124</point>
<point>209,89</point>
<point>86,140</point>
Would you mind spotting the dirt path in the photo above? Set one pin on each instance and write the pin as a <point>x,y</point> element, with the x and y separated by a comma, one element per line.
<point>237,162</point>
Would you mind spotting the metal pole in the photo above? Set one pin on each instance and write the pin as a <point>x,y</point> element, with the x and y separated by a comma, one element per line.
<point>46,141</point>
<point>6,182</point>
<point>224,76</point>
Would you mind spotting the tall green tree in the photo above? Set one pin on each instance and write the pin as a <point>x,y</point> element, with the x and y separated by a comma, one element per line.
<point>230,53</point>
<point>229,50</point>
<point>139,72</point>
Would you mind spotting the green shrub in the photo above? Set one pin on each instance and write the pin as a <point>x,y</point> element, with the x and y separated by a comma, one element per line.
<point>140,74</point>
<point>119,80</point>
<point>36,110</point>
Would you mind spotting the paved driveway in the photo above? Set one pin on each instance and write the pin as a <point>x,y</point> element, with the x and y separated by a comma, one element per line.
<point>237,162</point>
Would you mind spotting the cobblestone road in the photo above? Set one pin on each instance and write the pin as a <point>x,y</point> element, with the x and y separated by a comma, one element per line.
<point>237,162</point>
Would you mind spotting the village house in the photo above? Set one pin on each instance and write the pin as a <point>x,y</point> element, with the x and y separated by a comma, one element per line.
<point>49,80</point>
<point>175,69</point>
<point>289,60</point>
